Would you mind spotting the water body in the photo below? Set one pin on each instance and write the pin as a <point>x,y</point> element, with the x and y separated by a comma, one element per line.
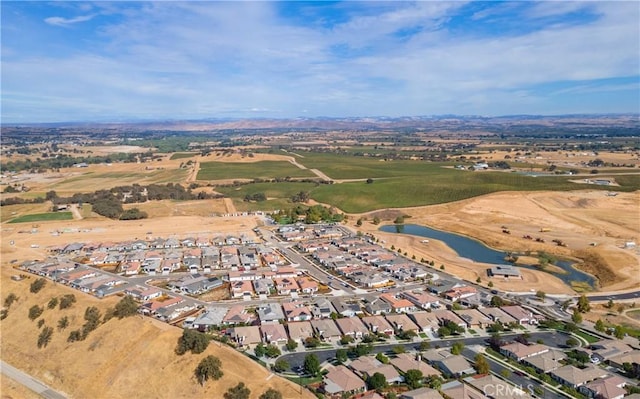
<point>478,252</point>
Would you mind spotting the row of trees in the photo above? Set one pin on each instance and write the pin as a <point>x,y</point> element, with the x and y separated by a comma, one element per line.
<point>311,214</point>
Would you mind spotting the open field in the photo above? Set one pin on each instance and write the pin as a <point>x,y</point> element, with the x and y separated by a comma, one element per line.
<point>253,170</point>
<point>164,208</point>
<point>128,358</point>
<point>577,218</point>
<point>41,217</point>
<point>10,212</point>
<point>183,155</point>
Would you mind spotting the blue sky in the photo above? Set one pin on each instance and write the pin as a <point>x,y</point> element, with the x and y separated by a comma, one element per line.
<point>110,61</point>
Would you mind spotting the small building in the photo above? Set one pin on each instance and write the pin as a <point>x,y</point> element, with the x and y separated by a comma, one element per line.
<point>341,380</point>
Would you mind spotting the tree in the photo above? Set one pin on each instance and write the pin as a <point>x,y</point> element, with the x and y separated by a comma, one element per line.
<point>399,220</point>
<point>583,304</point>
<point>53,302</point>
<point>259,350</point>
<point>209,367</point>
<point>618,332</point>
<point>271,394</point>
<point>359,222</point>
<point>126,307</point>
<point>37,285</point>
<point>377,381</point>
<point>610,304</point>
<point>576,317</point>
<point>291,345</point>
<point>481,364</point>
<point>341,355</point>
<point>369,180</point>
<point>599,326</point>
<point>433,382</point>
<point>272,351</point>
<point>35,311</point>
<point>424,346</point>
<point>398,349</point>
<point>382,358</point>
<point>541,295</point>
<point>281,365</point>
<point>376,220</point>
<point>67,300</point>
<point>240,391</point>
<point>92,318</point>
<point>457,348</point>
<point>413,378</point>
<point>11,298</point>
<point>193,341</point>
<point>45,337</point>
<point>490,284</point>
<point>311,364</point>
<point>571,342</point>
<point>571,327</point>
<point>63,323</point>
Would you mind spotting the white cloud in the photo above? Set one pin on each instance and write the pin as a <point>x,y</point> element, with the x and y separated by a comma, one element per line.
<point>60,21</point>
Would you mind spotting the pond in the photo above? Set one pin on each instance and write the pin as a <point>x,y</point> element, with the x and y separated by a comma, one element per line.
<point>478,252</point>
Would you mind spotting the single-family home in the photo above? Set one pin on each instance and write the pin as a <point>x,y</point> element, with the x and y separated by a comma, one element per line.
<point>422,299</point>
<point>325,329</point>
<point>270,312</point>
<point>573,377</point>
<point>520,351</point>
<point>341,380</point>
<point>296,311</point>
<point>300,330</point>
<point>246,335</point>
<point>378,324</point>
<point>352,327</point>
<point>273,333</point>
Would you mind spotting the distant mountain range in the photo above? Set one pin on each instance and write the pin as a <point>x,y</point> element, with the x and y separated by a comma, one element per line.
<point>471,122</point>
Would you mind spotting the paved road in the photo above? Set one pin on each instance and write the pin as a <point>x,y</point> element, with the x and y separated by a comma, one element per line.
<point>550,338</point>
<point>29,382</point>
<point>614,297</point>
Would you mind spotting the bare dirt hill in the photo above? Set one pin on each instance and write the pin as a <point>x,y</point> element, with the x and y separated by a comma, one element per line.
<point>128,358</point>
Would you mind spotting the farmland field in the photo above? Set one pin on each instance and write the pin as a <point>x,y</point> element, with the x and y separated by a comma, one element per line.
<point>92,181</point>
<point>250,170</point>
<point>41,217</point>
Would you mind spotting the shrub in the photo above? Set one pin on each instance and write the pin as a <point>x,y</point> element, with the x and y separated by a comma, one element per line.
<point>67,301</point>
<point>35,311</point>
<point>193,341</point>
<point>10,299</point>
<point>53,302</point>
<point>209,367</point>
<point>37,285</point>
<point>45,337</point>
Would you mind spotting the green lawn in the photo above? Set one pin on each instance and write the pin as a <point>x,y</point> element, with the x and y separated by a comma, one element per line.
<point>250,170</point>
<point>40,217</point>
<point>587,337</point>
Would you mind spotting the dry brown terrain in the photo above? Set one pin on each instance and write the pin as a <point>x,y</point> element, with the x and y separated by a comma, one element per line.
<point>10,389</point>
<point>577,218</point>
<point>128,358</point>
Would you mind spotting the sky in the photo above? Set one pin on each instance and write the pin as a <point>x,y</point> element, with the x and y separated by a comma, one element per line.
<point>119,61</point>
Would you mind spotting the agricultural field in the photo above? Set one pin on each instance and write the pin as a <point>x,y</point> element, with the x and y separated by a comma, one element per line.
<point>163,208</point>
<point>10,212</point>
<point>92,181</point>
<point>250,170</point>
<point>43,217</point>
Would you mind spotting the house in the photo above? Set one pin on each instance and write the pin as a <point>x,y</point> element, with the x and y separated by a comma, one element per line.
<point>496,388</point>
<point>263,286</point>
<point>522,315</point>
<point>473,318</point>
<point>325,329</point>
<point>366,366</point>
<point>398,305</point>
<point>547,361</point>
<point>235,275</point>
<point>296,311</point>
<point>454,366</point>
<point>286,286</point>
<point>458,390</point>
<point>300,330</point>
<point>611,387</point>
<point>307,285</point>
<point>173,311</point>
<point>322,308</point>
<point>633,358</point>
<point>457,293</point>
<point>504,271</point>
<point>445,315</point>
<point>498,315</point>
<point>377,324</point>
<point>246,336</point>
<point>346,309</point>
<point>606,349</point>
<point>519,351</point>
<point>195,284</point>
<point>273,333</point>
<point>406,361</point>
<point>241,289</point>
<point>143,293</point>
<point>401,322</point>
<point>574,377</point>
<point>238,314</point>
<point>270,312</point>
<point>426,321</point>
<point>341,380</point>
<point>130,268</point>
<point>421,393</point>
<point>352,327</point>
<point>422,299</point>
<point>151,307</point>
<point>212,317</point>
<point>378,306</point>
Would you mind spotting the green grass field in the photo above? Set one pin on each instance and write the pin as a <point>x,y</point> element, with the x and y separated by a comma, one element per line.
<point>250,170</point>
<point>41,217</point>
<point>181,155</point>
<point>400,184</point>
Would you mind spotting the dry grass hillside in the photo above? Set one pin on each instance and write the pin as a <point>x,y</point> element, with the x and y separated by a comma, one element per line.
<point>128,358</point>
